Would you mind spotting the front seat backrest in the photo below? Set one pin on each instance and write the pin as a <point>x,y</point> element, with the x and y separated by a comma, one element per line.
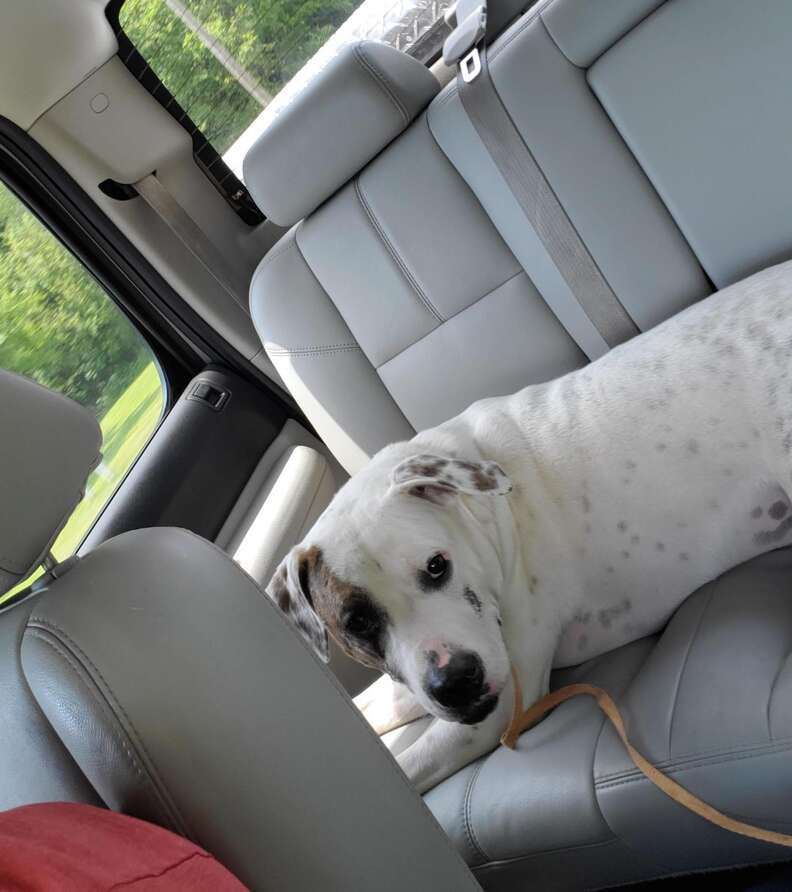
<point>186,698</point>
<point>48,446</point>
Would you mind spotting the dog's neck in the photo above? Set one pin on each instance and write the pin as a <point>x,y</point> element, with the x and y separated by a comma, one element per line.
<point>534,559</point>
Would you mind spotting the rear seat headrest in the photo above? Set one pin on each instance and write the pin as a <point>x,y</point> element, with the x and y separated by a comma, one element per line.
<point>48,447</point>
<point>367,95</point>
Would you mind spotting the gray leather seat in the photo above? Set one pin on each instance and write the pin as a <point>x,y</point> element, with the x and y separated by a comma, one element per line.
<point>153,676</point>
<point>414,286</point>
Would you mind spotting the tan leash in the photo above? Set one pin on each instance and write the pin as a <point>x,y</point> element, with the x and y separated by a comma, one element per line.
<point>524,718</point>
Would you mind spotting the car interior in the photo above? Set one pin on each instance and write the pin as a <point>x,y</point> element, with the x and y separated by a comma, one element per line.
<point>356,268</point>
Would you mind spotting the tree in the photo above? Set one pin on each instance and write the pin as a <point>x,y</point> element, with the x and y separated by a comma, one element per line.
<point>270,39</point>
<point>57,325</point>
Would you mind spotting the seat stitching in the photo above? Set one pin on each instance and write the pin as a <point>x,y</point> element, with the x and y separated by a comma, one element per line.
<point>552,39</point>
<point>688,651</point>
<point>772,692</point>
<point>341,695</point>
<point>44,637</point>
<point>394,253</point>
<point>272,255</point>
<point>691,766</point>
<point>58,631</point>
<point>595,786</point>
<point>496,862</point>
<point>535,13</point>
<point>520,272</point>
<point>705,756</point>
<point>311,351</point>
<point>467,820</point>
<point>381,81</point>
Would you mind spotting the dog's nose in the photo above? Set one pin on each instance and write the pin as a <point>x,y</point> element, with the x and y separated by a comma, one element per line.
<point>458,682</point>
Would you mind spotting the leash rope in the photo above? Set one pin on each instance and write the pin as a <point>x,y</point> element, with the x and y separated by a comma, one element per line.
<point>523,718</point>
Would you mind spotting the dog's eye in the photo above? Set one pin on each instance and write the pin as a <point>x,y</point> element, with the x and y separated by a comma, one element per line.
<point>362,624</point>
<point>436,566</point>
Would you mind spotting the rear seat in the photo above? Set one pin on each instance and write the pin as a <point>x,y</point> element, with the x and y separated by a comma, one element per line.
<point>414,286</point>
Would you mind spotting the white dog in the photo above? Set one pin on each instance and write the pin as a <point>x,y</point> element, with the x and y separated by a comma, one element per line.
<point>547,527</point>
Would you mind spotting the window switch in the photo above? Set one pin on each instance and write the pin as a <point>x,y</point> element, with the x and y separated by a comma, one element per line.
<point>203,392</point>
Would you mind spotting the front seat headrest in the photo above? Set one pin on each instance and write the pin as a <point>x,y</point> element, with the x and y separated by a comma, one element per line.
<point>48,447</point>
<point>367,95</point>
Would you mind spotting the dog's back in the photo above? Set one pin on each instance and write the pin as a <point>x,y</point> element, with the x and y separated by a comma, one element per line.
<point>654,469</point>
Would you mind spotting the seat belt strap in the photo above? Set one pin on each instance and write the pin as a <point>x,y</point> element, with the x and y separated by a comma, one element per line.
<point>536,198</point>
<point>190,234</point>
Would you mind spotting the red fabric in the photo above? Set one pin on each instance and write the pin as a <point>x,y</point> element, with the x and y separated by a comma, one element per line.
<point>78,848</point>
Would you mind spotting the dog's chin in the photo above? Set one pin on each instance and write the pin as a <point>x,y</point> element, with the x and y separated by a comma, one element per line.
<point>477,712</point>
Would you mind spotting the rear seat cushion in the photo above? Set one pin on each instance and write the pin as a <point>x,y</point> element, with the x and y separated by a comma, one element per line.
<point>709,701</point>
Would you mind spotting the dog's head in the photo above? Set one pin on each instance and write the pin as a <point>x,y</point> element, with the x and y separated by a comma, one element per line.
<point>403,570</point>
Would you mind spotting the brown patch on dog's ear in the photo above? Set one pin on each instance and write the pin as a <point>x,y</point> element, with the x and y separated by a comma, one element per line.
<point>290,589</point>
<point>436,478</point>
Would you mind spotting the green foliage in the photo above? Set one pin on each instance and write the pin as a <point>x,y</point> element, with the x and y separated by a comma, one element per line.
<point>271,39</point>
<point>57,325</point>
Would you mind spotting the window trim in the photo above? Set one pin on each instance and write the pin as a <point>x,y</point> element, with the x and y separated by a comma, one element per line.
<point>427,49</point>
<point>182,341</point>
<point>208,159</point>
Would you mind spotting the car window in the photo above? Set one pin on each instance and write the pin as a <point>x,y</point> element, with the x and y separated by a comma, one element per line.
<point>232,64</point>
<point>59,327</point>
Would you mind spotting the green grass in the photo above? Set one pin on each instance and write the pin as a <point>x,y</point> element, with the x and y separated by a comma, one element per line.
<point>126,428</point>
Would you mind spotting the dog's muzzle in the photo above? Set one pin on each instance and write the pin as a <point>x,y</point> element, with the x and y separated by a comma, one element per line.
<point>459,686</point>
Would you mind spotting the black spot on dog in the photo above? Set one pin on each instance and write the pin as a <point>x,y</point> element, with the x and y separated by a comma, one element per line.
<point>778,510</point>
<point>684,556</point>
<point>473,599</point>
<point>692,447</point>
<point>660,546</point>
<point>756,513</point>
<point>484,480</point>
<point>635,539</point>
<point>661,447</point>
<point>621,526</point>
<point>609,614</point>
<point>770,537</point>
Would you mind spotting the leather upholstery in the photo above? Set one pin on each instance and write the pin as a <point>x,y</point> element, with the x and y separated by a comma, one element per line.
<point>715,73</point>
<point>365,97</point>
<point>36,767</point>
<point>385,316</point>
<point>419,288</point>
<point>49,445</point>
<point>709,701</point>
<point>187,698</point>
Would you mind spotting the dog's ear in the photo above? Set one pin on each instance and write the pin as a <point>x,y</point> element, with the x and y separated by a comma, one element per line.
<point>436,478</point>
<point>290,589</point>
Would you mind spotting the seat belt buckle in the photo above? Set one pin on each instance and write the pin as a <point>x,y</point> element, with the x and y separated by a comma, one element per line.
<point>469,19</point>
<point>470,65</point>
